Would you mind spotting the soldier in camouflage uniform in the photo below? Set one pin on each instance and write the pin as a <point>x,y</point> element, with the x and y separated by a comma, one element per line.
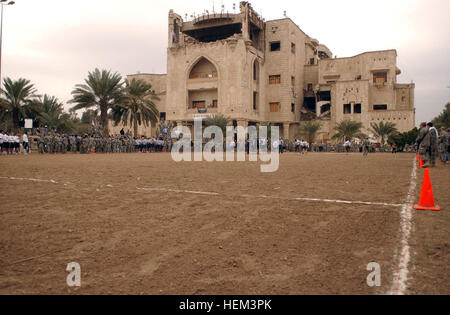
<point>443,145</point>
<point>423,143</point>
<point>41,144</point>
<point>65,143</point>
<point>84,145</point>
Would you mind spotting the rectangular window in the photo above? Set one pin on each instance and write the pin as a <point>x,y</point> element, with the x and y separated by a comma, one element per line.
<point>311,61</point>
<point>293,48</point>
<point>255,100</point>
<point>357,109</point>
<point>198,104</point>
<point>214,104</point>
<point>275,79</point>
<point>380,77</point>
<point>380,107</point>
<point>293,81</point>
<point>293,108</point>
<point>310,86</point>
<point>162,116</point>
<point>347,109</point>
<point>275,46</point>
<point>274,107</point>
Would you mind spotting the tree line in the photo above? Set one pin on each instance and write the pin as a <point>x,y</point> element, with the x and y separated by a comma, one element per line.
<point>104,95</point>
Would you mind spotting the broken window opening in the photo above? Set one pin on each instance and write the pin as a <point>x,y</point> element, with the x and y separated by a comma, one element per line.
<point>380,107</point>
<point>275,46</point>
<point>323,55</point>
<point>293,107</point>
<point>324,96</point>
<point>293,48</point>
<point>256,37</point>
<point>212,34</point>
<point>325,108</point>
<point>347,109</point>
<point>309,104</point>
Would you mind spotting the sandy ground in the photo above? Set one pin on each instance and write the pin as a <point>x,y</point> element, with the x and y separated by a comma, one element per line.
<point>141,224</point>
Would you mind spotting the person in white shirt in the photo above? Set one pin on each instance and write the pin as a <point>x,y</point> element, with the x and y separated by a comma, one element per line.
<point>11,143</point>
<point>26,147</point>
<point>347,146</point>
<point>16,144</point>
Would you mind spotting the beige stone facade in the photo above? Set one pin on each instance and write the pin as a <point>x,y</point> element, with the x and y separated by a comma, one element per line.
<point>253,71</point>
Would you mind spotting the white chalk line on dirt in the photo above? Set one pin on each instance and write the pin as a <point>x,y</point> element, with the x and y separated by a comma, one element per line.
<point>349,202</point>
<point>33,180</point>
<point>401,275</point>
<point>368,203</point>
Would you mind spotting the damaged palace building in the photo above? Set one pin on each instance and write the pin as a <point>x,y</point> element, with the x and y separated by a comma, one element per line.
<point>254,71</point>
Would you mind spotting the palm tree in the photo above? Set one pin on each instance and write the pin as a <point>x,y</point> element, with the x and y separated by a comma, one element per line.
<point>52,114</point>
<point>384,130</point>
<point>102,89</point>
<point>348,129</point>
<point>136,106</point>
<point>220,121</point>
<point>309,130</point>
<point>16,98</point>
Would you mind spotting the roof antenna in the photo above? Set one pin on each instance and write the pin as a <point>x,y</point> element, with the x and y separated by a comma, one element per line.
<point>284,13</point>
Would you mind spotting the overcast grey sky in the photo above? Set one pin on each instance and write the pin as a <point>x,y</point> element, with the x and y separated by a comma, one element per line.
<point>54,43</point>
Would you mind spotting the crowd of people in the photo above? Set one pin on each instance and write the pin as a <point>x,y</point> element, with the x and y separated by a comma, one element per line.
<point>430,144</point>
<point>53,142</point>
<point>10,143</point>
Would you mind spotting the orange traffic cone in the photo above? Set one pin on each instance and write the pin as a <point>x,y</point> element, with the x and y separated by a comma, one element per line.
<point>426,197</point>
<point>421,163</point>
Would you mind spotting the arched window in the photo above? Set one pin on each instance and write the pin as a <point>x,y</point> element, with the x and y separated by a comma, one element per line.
<point>203,69</point>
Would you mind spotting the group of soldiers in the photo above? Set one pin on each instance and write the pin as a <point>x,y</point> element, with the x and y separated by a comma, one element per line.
<point>84,144</point>
<point>430,143</point>
<point>62,143</point>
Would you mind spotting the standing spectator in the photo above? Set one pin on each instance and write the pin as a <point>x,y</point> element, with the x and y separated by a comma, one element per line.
<point>443,145</point>
<point>347,146</point>
<point>394,148</point>
<point>366,147</point>
<point>25,144</point>
<point>423,143</point>
<point>434,139</point>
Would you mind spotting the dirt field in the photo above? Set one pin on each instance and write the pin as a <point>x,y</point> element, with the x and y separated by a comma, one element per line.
<point>143,224</point>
